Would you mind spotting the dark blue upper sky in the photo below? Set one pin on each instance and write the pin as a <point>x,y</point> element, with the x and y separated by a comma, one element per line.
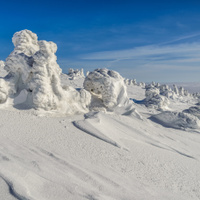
<point>146,40</point>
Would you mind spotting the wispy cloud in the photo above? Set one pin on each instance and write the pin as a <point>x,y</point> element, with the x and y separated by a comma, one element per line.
<point>151,51</point>
<point>169,62</point>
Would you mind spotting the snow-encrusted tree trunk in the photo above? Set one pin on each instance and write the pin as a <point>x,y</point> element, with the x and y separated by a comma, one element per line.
<point>18,63</point>
<point>175,89</point>
<point>45,86</point>
<point>46,91</point>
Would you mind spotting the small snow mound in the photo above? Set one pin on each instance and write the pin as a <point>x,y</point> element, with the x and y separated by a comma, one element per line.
<point>107,88</point>
<point>194,110</point>
<point>178,120</point>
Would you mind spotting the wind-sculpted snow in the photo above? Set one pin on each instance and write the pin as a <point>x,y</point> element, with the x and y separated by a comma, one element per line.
<point>25,42</point>
<point>32,67</point>
<point>107,88</point>
<point>154,99</point>
<point>44,85</point>
<point>194,110</point>
<point>179,120</point>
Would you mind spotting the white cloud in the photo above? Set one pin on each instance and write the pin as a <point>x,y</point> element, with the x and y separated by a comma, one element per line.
<point>191,50</point>
<point>170,61</point>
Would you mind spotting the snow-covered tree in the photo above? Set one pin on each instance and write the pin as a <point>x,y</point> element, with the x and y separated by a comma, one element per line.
<point>32,67</point>
<point>154,99</point>
<point>75,73</point>
<point>107,88</point>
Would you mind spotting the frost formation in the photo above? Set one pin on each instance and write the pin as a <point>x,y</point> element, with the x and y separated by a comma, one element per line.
<point>159,96</point>
<point>75,73</point>
<point>107,88</point>
<point>2,64</point>
<point>32,67</point>
<point>154,99</point>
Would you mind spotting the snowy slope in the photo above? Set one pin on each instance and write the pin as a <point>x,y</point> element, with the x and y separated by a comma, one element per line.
<point>96,156</point>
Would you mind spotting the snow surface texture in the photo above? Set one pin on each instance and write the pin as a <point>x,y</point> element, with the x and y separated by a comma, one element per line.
<point>107,88</point>
<point>194,110</point>
<point>32,67</point>
<point>49,158</point>
<point>179,120</point>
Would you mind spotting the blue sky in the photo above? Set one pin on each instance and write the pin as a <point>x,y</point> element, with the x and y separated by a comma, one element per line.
<point>147,40</point>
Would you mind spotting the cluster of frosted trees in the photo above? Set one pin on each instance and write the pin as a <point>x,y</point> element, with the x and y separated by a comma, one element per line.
<point>32,68</point>
<point>158,96</point>
<point>75,73</point>
<point>134,82</point>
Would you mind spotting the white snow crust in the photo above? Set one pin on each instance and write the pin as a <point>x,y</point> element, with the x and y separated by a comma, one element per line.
<point>179,120</point>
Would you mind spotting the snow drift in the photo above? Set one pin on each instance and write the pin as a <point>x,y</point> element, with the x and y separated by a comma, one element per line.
<point>194,110</point>
<point>178,120</point>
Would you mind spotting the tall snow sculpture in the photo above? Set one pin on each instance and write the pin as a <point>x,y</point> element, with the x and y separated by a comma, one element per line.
<point>19,62</point>
<point>175,89</point>
<point>32,67</point>
<point>44,82</point>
